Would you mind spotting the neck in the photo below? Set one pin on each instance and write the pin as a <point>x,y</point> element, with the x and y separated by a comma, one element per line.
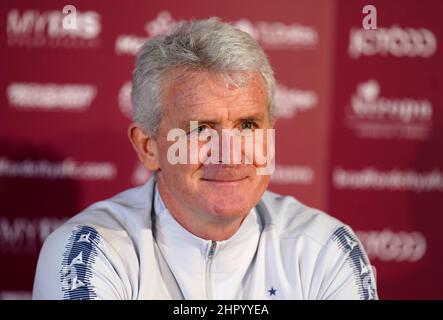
<point>203,225</point>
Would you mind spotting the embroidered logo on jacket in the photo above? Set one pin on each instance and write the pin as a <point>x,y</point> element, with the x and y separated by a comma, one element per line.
<point>358,261</point>
<point>272,291</point>
<point>78,258</point>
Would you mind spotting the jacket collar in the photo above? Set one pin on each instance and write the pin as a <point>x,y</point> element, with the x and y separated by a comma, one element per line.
<point>178,241</point>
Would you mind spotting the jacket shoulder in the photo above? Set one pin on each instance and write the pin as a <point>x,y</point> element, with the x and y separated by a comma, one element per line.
<point>125,213</point>
<point>292,219</point>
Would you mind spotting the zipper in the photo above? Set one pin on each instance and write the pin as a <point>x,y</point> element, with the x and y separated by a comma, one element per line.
<point>211,253</point>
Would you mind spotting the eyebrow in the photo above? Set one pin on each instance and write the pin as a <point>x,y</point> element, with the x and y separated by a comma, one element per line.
<point>186,123</point>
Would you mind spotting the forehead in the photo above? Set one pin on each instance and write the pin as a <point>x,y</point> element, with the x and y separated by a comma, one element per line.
<point>208,92</point>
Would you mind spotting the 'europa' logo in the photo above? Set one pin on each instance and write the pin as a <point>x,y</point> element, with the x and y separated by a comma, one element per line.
<point>372,115</point>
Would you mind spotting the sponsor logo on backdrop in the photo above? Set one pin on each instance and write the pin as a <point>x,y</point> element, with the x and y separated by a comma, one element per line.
<point>65,169</point>
<point>370,178</point>
<point>161,25</point>
<point>388,245</point>
<point>34,28</point>
<point>50,96</point>
<point>393,41</point>
<point>370,115</point>
<point>26,235</point>
<point>290,101</point>
<point>271,35</point>
<point>278,35</point>
<point>293,174</point>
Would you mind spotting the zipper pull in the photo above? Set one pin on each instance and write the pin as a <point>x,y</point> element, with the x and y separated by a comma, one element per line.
<point>212,249</point>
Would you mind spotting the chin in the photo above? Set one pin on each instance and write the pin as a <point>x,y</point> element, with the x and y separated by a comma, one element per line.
<point>231,208</point>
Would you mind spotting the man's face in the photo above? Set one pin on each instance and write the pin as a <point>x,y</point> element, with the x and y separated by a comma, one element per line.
<point>212,192</point>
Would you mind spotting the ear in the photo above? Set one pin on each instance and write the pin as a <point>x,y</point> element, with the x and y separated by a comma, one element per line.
<point>145,146</point>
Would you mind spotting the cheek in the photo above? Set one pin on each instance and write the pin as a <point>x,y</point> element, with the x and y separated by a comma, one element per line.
<point>263,181</point>
<point>185,174</point>
<point>178,173</point>
<point>258,186</point>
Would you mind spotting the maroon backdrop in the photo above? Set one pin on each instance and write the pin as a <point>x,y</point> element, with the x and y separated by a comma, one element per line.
<point>359,133</point>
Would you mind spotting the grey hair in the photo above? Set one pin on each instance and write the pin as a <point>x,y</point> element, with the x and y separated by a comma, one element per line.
<point>194,45</point>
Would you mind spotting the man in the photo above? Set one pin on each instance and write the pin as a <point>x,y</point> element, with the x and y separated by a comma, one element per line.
<point>202,229</point>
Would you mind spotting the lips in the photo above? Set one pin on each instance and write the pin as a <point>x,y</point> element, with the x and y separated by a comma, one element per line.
<point>225,173</point>
<point>224,180</point>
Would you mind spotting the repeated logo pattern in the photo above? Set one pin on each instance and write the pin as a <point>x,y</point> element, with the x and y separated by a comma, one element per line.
<point>349,245</point>
<point>78,259</point>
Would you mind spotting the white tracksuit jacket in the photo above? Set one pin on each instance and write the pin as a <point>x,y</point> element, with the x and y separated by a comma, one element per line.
<point>120,248</point>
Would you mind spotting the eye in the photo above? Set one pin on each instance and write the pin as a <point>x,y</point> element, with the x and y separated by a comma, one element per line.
<point>248,125</point>
<point>202,129</point>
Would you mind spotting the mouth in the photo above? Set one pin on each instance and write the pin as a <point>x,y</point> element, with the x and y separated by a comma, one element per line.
<point>224,180</point>
<point>229,175</point>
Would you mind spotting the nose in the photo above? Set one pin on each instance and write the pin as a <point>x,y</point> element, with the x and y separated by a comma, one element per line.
<point>230,150</point>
